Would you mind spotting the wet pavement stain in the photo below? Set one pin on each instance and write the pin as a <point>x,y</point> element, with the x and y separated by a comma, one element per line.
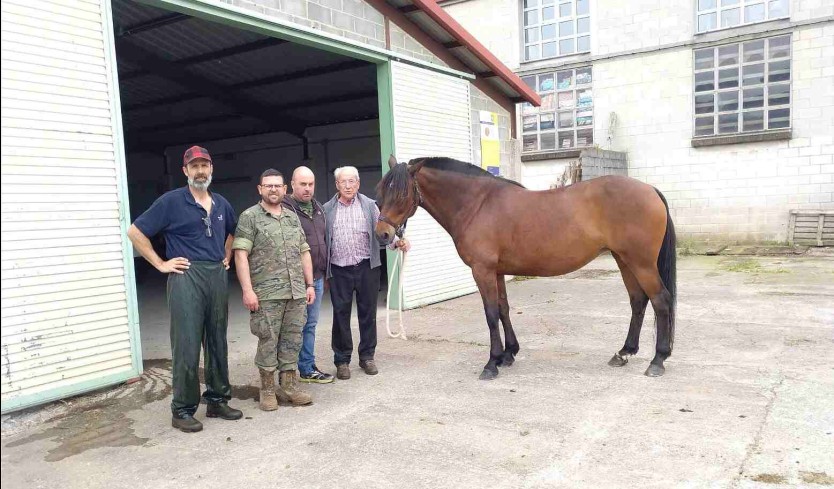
<point>104,423</point>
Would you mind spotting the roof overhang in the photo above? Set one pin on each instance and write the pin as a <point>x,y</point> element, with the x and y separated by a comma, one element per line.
<point>448,40</point>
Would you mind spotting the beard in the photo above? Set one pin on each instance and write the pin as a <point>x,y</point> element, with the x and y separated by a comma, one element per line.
<point>200,185</point>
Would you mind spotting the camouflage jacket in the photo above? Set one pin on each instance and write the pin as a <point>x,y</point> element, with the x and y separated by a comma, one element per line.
<point>275,245</point>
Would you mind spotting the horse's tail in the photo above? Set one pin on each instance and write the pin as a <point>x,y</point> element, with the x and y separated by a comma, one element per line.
<point>667,267</point>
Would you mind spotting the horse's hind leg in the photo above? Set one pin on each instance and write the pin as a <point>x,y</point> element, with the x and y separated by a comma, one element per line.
<point>510,341</point>
<point>662,303</point>
<point>488,287</point>
<point>638,299</point>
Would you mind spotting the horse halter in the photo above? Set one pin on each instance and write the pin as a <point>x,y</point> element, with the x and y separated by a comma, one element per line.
<point>399,230</point>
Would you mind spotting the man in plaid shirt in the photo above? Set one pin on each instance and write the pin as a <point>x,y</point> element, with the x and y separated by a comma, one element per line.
<point>353,268</point>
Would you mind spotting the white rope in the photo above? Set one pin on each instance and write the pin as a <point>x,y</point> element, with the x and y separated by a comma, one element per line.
<point>399,266</point>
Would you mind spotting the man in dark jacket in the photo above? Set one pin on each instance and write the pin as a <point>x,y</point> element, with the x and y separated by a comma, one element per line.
<point>311,215</point>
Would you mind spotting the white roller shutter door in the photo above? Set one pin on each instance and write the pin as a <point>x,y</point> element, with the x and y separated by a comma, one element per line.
<point>432,117</point>
<point>68,301</point>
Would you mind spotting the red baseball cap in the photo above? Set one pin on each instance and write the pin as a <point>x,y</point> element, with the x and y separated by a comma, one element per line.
<point>195,152</point>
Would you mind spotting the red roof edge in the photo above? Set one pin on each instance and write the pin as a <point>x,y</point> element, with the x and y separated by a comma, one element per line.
<point>463,36</point>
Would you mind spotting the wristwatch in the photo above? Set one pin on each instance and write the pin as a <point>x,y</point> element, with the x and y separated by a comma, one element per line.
<point>311,285</point>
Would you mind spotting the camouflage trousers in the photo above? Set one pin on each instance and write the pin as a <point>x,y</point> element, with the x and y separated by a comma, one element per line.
<point>278,324</point>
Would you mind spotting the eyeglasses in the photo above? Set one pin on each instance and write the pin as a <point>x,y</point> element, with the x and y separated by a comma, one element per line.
<point>351,182</point>
<point>273,186</point>
<point>207,222</point>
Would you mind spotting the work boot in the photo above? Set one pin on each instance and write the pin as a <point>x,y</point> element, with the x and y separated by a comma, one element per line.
<point>342,371</point>
<point>223,411</point>
<point>369,366</point>
<point>268,400</point>
<point>185,422</point>
<point>288,390</point>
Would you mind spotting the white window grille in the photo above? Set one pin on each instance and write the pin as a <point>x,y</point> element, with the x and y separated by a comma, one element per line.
<point>721,14</point>
<point>554,28</point>
<point>565,119</point>
<point>743,87</point>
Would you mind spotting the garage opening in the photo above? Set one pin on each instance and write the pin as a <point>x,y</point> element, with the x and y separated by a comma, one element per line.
<point>254,101</point>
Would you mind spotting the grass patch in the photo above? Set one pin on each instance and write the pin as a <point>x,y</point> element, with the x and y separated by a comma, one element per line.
<point>750,266</point>
<point>522,278</point>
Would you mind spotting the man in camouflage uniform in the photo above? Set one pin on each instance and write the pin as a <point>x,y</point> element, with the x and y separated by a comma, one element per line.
<point>276,275</point>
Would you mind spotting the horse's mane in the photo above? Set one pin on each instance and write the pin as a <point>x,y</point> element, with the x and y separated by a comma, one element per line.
<point>449,164</point>
<point>396,181</point>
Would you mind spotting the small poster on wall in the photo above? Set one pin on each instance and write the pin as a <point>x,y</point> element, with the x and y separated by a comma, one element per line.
<point>490,144</point>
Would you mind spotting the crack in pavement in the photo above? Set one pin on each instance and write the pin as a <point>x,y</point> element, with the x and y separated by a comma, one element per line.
<point>757,438</point>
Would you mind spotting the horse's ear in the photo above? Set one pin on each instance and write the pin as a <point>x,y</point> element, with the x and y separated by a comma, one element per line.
<point>415,165</point>
<point>392,162</point>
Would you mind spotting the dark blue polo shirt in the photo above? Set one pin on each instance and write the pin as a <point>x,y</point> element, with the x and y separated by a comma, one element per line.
<point>183,223</point>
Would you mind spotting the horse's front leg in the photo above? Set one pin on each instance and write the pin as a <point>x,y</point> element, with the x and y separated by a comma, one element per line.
<point>510,340</point>
<point>487,282</point>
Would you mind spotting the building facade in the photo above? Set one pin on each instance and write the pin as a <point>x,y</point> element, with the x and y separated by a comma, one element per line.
<point>727,106</point>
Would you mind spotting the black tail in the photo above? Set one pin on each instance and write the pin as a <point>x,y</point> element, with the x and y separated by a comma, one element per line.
<point>667,267</point>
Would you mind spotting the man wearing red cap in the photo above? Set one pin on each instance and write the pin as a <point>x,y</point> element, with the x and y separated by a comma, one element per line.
<point>198,226</point>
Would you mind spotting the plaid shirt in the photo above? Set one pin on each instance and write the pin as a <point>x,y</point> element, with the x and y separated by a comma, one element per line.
<point>350,234</point>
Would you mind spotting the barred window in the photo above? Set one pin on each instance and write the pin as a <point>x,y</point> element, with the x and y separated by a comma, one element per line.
<point>565,119</point>
<point>743,87</point>
<point>720,14</point>
<point>554,28</point>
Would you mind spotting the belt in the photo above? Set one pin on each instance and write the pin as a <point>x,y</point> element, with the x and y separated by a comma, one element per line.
<point>357,265</point>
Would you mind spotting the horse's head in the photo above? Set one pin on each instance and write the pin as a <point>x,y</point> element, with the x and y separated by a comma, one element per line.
<point>399,198</point>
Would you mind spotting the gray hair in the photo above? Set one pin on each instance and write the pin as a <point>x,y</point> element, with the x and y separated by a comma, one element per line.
<point>346,169</point>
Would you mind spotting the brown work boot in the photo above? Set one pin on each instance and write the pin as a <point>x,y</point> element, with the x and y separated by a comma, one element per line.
<point>369,367</point>
<point>342,371</point>
<point>288,390</point>
<point>268,400</point>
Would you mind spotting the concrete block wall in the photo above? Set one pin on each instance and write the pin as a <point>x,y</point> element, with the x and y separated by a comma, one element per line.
<point>403,43</point>
<point>352,19</point>
<point>618,26</point>
<point>543,175</point>
<point>495,23</point>
<point>739,191</point>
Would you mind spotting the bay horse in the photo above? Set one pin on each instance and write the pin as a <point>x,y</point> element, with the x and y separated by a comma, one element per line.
<point>501,228</point>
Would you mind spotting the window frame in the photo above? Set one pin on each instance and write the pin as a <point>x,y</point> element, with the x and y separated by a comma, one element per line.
<point>766,85</point>
<point>740,5</point>
<point>555,22</point>
<point>576,112</point>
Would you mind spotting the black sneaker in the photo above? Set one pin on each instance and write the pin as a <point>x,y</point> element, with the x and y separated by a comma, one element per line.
<point>222,410</point>
<point>315,376</point>
<point>186,423</point>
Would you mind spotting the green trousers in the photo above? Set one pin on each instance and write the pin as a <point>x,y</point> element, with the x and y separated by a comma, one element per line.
<point>199,303</point>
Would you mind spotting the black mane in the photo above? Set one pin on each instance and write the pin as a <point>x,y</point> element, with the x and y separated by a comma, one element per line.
<point>448,164</point>
<point>396,184</point>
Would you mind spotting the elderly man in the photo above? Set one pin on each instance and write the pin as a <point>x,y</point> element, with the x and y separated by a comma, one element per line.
<point>353,269</point>
<point>198,226</point>
<point>276,276</point>
<point>309,212</point>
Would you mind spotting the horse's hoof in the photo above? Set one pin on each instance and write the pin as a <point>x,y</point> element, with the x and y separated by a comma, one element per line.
<point>488,374</point>
<point>617,360</point>
<point>508,361</point>
<point>655,370</point>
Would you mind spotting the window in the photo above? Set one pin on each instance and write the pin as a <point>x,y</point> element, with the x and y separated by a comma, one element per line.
<point>565,119</point>
<point>720,14</point>
<point>743,87</point>
<point>556,28</point>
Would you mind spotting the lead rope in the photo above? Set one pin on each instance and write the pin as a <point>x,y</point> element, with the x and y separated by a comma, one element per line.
<point>399,266</point>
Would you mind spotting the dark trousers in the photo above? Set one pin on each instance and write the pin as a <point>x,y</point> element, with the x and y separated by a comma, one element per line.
<point>198,301</point>
<point>364,281</point>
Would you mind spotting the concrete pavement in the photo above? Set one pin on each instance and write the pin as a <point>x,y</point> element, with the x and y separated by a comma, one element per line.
<point>746,400</point>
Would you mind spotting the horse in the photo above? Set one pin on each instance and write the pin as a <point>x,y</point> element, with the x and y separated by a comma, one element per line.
<point>501,228</point>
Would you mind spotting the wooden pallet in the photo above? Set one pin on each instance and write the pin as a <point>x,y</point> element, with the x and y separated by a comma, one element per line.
<point>812,228</point>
